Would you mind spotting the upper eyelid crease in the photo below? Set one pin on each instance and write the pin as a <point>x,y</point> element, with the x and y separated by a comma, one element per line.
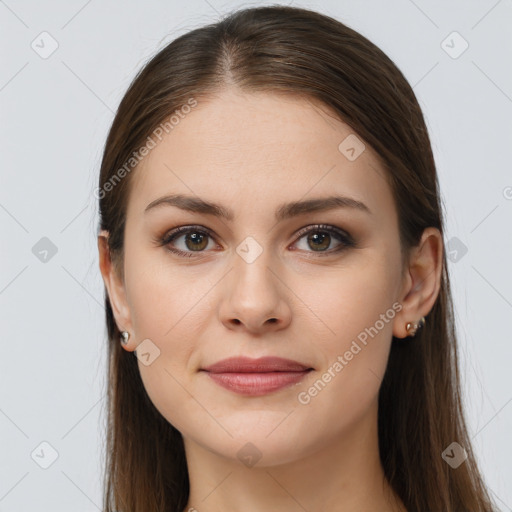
<point>343,236</point>
<point>283,212</point>
<point>183,230</point>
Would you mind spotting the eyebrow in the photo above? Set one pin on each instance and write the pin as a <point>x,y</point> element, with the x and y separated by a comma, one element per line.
<point>283,212</point>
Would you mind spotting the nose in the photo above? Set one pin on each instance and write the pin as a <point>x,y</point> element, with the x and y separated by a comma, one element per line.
<point>254,297</point>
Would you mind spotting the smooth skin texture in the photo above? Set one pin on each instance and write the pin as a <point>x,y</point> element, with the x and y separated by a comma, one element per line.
<point>251,153</point>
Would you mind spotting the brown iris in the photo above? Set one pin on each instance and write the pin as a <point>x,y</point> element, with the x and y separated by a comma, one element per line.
<point>199,240</point>
<point>319,238</point>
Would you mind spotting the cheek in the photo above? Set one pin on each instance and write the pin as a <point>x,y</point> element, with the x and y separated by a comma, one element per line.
<point>346,301</point>
<point>168,308</point>
<point>164,298</point>
<point>354,316</point>
<point>345,388</point>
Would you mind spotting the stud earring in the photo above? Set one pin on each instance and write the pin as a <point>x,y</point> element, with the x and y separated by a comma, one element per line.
<point>125,335</point>
<point>412,328</point>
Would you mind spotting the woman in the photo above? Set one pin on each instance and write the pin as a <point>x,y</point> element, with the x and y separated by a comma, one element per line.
<point>271,243</point>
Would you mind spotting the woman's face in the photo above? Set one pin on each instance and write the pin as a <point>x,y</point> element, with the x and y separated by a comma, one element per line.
<point>253,285</point>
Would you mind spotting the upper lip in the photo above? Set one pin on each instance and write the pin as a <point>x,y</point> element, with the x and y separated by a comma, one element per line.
<point>260,365</point>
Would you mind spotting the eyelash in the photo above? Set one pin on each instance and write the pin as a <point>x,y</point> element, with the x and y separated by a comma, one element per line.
<point>346,240</point>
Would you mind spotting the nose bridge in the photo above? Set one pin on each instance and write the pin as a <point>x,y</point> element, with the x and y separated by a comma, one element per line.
<point>252,268</point>
<point>254,292</point>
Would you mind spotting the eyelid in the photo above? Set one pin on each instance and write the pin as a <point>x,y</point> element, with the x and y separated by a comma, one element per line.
<point>324,227</point>
<point>175,233</point>
<point>346,239</point>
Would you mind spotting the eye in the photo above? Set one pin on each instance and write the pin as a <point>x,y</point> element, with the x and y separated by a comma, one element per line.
<point>196,239</point>
<point>320,237</point>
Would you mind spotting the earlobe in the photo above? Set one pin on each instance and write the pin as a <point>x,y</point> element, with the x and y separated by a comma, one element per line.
<point>114,285</point>
<point>422,285</point>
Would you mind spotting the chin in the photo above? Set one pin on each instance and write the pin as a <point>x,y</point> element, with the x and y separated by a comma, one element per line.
<point>253,447</point>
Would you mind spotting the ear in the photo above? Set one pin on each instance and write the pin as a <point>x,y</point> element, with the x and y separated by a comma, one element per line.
<point>422,281</point>
<point>115,288</point>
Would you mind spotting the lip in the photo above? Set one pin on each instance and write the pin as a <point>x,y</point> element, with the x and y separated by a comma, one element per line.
<point>255,377</point>
<point>260,365</point>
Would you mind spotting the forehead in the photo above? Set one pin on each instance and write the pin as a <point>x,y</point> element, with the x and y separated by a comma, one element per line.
<point>250,151</point>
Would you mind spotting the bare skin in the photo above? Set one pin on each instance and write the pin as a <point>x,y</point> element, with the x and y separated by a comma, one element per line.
<point>251,153</point>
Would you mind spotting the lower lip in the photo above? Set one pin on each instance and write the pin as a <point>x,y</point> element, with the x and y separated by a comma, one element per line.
<point>255,384</point>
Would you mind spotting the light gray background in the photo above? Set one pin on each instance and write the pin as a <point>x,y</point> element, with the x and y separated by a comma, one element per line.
<point>55,113</point>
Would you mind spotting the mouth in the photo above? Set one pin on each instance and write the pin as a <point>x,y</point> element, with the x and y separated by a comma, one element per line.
<point>256,377</point>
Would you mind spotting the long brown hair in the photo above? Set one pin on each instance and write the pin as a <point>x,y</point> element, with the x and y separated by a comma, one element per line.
<point>296,51</point>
